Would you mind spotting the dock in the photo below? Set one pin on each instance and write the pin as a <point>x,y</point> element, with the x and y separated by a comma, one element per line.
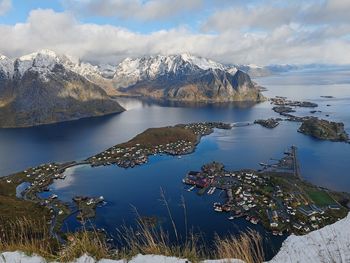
<point>296,165</point>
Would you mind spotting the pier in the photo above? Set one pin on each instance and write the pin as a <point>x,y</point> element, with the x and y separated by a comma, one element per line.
<point>296,165</point>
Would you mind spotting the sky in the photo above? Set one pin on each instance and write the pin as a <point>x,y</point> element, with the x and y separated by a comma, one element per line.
<point>229,31</point>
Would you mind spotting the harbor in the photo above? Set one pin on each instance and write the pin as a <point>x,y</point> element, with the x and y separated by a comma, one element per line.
<point>275,196</point>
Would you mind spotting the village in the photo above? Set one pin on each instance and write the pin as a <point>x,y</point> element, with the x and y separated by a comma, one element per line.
<point>177,140</point>
<point>274,196</point>
<point>33,183</point>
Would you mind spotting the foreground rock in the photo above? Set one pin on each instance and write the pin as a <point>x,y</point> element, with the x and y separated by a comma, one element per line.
<point>184,78</point>
<point>329,244</point>
<point>324,130</point>
<point>42,88</point>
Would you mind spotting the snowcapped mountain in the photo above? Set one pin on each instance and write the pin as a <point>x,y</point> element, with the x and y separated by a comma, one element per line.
<point>183,77</point>
<point>45,87</point>
<point>6,67</point>
<point>42,83</point>
<point>130,71</point>
<point>45,60</point>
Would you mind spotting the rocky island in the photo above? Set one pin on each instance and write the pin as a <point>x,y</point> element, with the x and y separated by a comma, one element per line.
<point>269,123</point>
<point>87,206</point>
<point>324,130</point>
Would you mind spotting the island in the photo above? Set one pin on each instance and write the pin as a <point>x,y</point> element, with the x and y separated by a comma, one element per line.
<point>324,130</point>
<point>87,206</point>
<point>312,126</point>
<point>269,123</point>
<point>275,196</point>
<point>283,101</point>
<point>178,140</point>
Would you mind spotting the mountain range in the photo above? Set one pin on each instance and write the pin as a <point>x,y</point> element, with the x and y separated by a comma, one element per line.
<point>184,78</point>
<point>45,87</point>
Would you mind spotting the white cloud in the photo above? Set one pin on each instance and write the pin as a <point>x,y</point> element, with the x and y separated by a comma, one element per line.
<point>288,42</point>
<point>5,6</point>
<point>133,9</point>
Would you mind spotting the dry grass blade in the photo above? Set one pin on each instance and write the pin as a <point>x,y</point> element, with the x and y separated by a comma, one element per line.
<point>247,247</point>
<point>84,242</point>
<point>29,236</point>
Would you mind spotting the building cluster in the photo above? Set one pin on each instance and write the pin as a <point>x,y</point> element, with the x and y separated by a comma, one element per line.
<point>130,156</point>
<point>258,197</point>
<point>205,128</point>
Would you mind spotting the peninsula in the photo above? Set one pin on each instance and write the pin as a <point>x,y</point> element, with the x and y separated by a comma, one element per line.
<point>275,196</point>
<point>22,189</point>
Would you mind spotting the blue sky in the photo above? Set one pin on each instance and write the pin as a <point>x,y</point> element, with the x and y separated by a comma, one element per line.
<point>21,9</point>
<point>230,31</point>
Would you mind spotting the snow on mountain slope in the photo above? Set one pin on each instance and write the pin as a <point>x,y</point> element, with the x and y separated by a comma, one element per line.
<point>329,244</point>
<point>6,66</point>
<point>130,71</point>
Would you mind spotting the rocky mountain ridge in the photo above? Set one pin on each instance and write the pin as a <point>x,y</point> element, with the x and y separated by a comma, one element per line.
<point>184,78</point>
<point>44,87</point>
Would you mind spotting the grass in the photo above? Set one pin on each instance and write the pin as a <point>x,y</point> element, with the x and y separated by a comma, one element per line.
<point>32,236</point>
<point>13,208</point>
<point>246,247</point>
<point>164,135</point>
<point>27,235</point>
<point>320,198</point>
<point>147,240</point>
<point>84,242</point>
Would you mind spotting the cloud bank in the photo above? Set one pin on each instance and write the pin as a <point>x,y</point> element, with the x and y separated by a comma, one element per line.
<point>265,32</point>
<point>133,9</point>
<point>5,6</point>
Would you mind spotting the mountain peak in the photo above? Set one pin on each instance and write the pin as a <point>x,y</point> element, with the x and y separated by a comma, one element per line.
<point>43,53</point>
<point>3,57</point>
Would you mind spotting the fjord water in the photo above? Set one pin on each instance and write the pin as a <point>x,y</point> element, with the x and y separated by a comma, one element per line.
<point>322,163</point>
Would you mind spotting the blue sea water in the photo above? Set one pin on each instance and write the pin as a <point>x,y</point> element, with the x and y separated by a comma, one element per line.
<point>322,163</point>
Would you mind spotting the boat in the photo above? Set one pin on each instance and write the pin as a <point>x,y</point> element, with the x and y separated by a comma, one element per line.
<point>218,209</point>
<point>191,188</point>
<point>211,190</point>
<point>231,218</point>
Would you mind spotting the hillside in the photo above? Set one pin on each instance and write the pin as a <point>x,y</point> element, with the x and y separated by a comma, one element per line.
<point>43,88</point>
<point>329,244</point>
<point>184,78</point>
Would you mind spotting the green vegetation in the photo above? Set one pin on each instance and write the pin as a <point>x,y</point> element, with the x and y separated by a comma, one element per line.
<point>320,197</point>
<point>155,136</point>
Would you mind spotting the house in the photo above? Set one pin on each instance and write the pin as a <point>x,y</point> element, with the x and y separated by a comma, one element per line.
<point>297,226</point>
<point>307,211</point>
<point>334,207</point>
